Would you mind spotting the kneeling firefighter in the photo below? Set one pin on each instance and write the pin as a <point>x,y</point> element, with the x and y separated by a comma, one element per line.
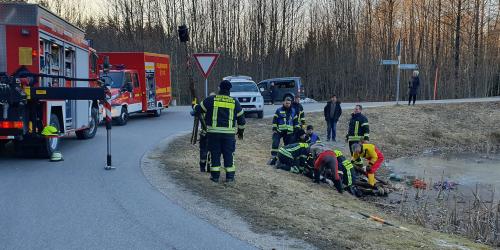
<point>372,154</point>
<point>293,157</point>
<point>222,112</point>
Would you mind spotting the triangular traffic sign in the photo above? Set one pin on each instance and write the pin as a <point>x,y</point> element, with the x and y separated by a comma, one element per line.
<point>206,62</point>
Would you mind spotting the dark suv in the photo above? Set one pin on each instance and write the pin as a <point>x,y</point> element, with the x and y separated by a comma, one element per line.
<point>283,87</point>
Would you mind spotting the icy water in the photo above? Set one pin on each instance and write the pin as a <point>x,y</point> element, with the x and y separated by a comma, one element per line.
<point>466,170</point>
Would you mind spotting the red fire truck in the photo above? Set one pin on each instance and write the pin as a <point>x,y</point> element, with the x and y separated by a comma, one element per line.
<point>140,83</point>
<point>45,69</point>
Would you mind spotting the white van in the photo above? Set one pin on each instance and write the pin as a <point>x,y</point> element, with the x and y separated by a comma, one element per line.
<point>245,90</point>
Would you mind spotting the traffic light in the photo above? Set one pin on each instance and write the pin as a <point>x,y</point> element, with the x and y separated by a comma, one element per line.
<point>183,33</point>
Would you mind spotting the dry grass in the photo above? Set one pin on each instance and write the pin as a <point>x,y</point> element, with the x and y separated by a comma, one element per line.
<point>276,201</point>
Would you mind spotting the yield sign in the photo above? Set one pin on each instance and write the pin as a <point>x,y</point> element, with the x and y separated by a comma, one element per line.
<point>206,62</point>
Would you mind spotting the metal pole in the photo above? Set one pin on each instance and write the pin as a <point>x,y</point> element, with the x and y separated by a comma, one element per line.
<point>107,108</point>
<point>206,87</point>
<point>397,81</point>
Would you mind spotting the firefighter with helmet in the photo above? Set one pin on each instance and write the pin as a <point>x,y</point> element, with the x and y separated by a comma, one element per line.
<point>224,118</point>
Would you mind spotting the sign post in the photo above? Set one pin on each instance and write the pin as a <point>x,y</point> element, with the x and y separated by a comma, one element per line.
<point>206,62</point>
<point>400,67</point>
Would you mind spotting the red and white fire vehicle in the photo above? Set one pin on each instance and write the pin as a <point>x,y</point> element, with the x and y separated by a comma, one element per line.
<point>140,83</point>
<point>35,41</point>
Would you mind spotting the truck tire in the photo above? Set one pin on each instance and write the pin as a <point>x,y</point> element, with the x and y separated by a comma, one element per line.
<point>92,130</point>
<point>260,114</point>
<point>123,118</point>
<point>157,112</point>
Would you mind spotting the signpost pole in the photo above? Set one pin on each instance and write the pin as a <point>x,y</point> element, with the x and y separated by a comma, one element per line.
<point>206,87</point>
<point>397,80</point>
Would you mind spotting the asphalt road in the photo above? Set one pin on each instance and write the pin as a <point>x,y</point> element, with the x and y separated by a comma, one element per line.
<point>75,204</point>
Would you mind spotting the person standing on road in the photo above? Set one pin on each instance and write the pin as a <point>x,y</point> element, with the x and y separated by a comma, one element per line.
<point>359,130</point>
<point>332,113</point>
<point>285,125</point>
<point>413,87</point>
<point>222,113</point>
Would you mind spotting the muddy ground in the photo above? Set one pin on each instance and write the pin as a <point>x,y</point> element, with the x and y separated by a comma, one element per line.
<point>283,203</point>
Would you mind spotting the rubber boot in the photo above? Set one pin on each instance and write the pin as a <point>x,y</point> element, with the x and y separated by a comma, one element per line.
<point>229,177</point>
<point>371,179</point>
<point>214,176</point>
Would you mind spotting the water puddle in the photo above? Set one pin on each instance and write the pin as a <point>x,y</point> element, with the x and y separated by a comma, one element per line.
<point>465,173</point>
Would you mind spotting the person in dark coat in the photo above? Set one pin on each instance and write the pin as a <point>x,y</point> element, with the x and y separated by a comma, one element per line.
<point>413,87</point>
<point>332,113</point>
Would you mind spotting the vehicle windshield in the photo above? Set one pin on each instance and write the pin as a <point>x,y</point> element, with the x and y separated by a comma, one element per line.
<point>244,87</point>
<point>114,79</point>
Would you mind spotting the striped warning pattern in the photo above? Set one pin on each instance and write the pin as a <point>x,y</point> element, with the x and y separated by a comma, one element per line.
<point>107,104</point>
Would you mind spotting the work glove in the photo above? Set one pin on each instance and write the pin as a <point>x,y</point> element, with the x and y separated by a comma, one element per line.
<point>240,133</point>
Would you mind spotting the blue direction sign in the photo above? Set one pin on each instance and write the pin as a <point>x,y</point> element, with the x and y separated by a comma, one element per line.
<point>388,62</point>
<point>408,66</point>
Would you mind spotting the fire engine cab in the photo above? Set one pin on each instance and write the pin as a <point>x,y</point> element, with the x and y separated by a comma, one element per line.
<point>55,91</point>
<point>140,83</point>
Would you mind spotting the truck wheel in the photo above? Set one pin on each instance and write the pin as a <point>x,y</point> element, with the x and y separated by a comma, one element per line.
<point>260,114</point>
<point>157,113</point>
<point>92,130</point>
<point>47,146</point>
<point>123,119</point>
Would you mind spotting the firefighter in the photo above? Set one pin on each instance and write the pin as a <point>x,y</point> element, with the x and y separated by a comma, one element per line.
<point>293,157</point>
<point>372,154</point>
<point>222,114</point>
<point>204,155</point>
<point>359,130</point>
<point>285,124</point>
<point>299,110</point>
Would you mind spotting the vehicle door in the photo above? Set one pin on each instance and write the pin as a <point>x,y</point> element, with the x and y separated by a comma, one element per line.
<point>264,91</point>
<point>137,91</point>
<point>285,88</point>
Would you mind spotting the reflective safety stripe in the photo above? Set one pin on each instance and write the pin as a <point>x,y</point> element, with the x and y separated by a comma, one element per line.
<point>214,169</point>
<point>240,113</point>
<point>338,153</point>
<point>366,134</point>
<point>221,130</point>
<point>348,166</point>
<point>356,128</point>
<point>224,105</point>
<point>275,125</point>
<point>203,107</point>
<point>231,115</point>
<point>285,153</point>
<point>214,116</point>
<point>364,124</point>
<point>231,169</point>
<point>241,126</point>
<point>275,115</point>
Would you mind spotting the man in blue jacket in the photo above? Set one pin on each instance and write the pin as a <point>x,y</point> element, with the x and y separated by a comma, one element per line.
<point>285,124</point>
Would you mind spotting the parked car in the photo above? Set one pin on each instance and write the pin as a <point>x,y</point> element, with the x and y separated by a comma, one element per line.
<point>247,93</point>
<point>283,87</point>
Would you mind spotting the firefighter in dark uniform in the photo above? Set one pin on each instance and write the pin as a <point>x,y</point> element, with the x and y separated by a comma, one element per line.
<point>359,130</point>
<point>285,125</point>
<point>224,117</point>
<point>299,110</point>
<point>204,155</point>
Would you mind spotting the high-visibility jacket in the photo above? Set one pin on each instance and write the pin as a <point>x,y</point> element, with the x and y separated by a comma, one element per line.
<point>359,128</point>
<point>285,120</point>
<point>297,151</point>
<point>223,114</point>
<point>346,164</point>
<point>299,110</point>
<point>370,153</point>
